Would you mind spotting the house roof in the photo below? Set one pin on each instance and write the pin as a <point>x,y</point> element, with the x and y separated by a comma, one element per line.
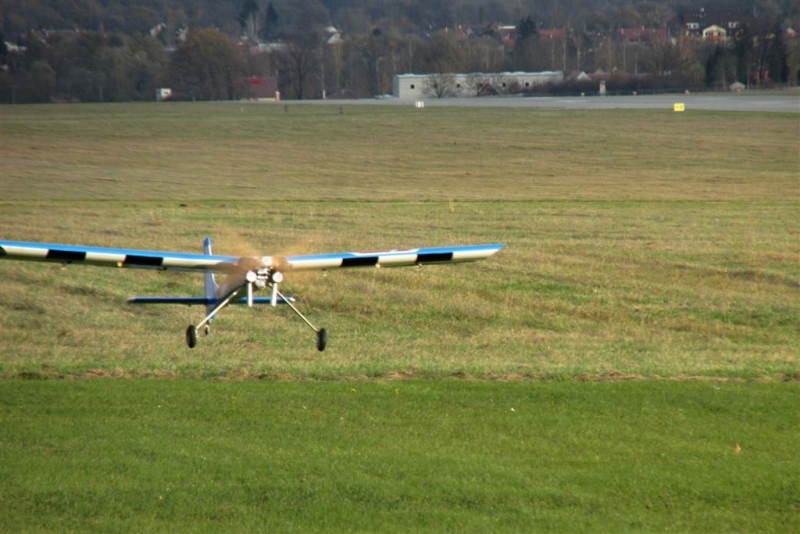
<point>487,74</point>
<point>263,87</point>
<point>726,18</point>
<point>637,34</point>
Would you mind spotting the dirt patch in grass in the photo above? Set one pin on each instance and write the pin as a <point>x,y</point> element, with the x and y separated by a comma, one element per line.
<point>247,375</point>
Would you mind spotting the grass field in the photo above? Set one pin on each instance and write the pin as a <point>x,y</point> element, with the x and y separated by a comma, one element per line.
<point>439,456</point>
<point>642,321</point>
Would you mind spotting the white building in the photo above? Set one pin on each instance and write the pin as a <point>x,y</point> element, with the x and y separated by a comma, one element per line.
<point>416,86</point>
<point>163,93</point>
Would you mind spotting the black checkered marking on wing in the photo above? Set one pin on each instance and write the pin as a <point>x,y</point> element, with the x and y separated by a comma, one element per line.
<point>143,261</point>
<point>65,255</point>
<point>435,257</point>
<point>360,261</point>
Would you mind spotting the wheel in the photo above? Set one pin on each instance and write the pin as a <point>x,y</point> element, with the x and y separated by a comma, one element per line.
<point>322,339</point>
<point>191,336</point>
<point>206,329</point>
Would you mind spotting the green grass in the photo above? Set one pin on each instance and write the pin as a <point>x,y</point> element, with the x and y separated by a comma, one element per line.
<point>439,456</point>
<point>642,322</point>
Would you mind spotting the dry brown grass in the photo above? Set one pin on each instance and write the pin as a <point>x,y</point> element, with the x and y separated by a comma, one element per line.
<point>215,152</point>
<point>643,243</point>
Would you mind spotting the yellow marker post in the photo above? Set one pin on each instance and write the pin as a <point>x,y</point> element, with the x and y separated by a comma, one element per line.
<point>678,107</point>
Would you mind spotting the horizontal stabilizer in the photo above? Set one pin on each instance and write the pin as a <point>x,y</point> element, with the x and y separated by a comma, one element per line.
<point>202,301</point>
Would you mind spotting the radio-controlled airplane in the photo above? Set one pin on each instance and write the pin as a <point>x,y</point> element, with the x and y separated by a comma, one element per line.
<point>243,275</point>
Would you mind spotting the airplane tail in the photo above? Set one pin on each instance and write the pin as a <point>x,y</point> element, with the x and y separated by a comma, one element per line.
<point>209,282</point>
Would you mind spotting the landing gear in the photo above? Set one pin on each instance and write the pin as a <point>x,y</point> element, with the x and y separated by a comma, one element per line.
<point>322,334</point>
<point>191,336</point>
<point>253,278</point>
<point>191,332</point>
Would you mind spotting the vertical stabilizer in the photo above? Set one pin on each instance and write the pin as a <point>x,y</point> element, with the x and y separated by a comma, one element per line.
<point>210,284</point>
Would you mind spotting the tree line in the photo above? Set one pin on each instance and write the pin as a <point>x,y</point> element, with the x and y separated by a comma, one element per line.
<point>294,42</point>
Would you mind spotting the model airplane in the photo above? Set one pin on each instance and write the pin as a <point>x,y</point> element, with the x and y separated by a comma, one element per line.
<point>244,275</point>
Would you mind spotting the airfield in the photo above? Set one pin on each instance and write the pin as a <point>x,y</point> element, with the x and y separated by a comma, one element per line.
<point>628,363</point>
<point>787,102</point>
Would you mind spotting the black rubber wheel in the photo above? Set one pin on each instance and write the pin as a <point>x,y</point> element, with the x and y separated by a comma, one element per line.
<point>322,339</point>
<point>191,336</point>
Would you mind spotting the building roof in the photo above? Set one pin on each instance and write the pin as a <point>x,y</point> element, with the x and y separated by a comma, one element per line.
<point>542,73</point>
<point>725,18</point>
<point>263,87</point>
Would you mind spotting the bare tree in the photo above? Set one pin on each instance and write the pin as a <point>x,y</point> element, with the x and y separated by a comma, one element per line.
<point>478,84</point>
<point>485,55</point>
<point>440,85</point>
<point>300,63</point>
<point>662,57</point>
<point>208,67</point>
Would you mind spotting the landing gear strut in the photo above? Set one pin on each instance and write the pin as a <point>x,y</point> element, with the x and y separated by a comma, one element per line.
<point>191,331</point>
<point>322,334</point>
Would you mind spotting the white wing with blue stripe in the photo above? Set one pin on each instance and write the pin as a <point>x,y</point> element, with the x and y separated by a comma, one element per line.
<point>117,257</point>
<point>391,258</point>
<point>179,261</point>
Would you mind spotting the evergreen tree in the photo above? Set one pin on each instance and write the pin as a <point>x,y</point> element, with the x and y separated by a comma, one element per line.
<point>248,18</point>
<point>743,48</point>
<point>270,22</point>
<point>777,58</point>
<point>526,28</point>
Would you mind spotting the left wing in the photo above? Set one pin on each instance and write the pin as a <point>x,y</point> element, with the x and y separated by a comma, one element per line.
<point>117,257</point>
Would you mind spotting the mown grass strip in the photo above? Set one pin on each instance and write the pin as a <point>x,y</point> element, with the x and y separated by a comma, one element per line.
<point>431,456</point>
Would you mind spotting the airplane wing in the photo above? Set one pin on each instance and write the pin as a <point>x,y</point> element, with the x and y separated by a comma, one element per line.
<point>117,257</point>
<point>391,258</point>
<point>180,261</point>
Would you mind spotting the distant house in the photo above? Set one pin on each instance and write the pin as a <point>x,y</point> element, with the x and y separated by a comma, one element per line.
<point>715,33</point>
<point>508,36</point>
<point>163,93</point>
<point>579,76</point>
<point>262,88</point>
<point>333,36</point>
<point>547,35</point>
<point>714,25</point>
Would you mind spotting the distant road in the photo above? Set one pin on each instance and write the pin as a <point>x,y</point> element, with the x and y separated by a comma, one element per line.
<point>761,101</point>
